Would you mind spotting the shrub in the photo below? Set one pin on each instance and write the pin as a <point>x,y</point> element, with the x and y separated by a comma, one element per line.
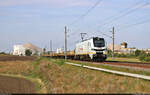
<point>148,54</point>
<point>2,52</point>
<point>137,52</point>
<point>142,57</point>
<point>147,59</point>
<point>28,52</point>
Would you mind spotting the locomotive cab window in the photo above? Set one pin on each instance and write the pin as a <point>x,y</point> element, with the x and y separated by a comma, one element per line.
<point>99,42</point>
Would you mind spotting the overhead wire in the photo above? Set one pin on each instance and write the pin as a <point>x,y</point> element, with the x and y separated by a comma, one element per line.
<point>125,13</point>
<point>134,24</point>
<point>107,20</point>
<point>116,17</point>
<point>85,14</point>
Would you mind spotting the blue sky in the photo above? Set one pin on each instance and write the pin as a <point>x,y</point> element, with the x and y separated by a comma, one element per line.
<point>39,21</point>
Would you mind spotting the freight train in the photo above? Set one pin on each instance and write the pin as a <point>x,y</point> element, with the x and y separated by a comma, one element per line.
<point>91,49</point>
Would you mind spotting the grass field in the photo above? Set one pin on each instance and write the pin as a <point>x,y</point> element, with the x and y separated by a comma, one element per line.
<point>62,78</point>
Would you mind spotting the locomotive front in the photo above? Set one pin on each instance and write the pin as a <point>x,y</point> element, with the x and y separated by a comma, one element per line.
<point>99,48</point>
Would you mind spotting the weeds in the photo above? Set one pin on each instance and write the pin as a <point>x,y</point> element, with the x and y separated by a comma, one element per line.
<point>57,61</point>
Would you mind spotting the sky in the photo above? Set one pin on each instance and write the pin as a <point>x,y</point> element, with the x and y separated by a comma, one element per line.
<point>39,21</point>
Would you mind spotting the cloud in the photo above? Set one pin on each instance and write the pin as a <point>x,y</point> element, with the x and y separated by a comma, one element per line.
<point>57,3</point>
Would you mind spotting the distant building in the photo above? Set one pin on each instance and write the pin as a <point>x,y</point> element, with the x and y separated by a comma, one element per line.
<point>148,51</point>
<point>59,50</point>
<point>116,47</point>
<point>145,50</point>
<point>124,45</point>
<point>20,49</point>
<point>122,48</point>
<point>35,50</point>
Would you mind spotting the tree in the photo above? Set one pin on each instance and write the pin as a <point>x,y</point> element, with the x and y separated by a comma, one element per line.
<point>137,52</point>
<point>2,53</point>
<point>28,52</point>
<point>109,52</point>
<point>44,50</point>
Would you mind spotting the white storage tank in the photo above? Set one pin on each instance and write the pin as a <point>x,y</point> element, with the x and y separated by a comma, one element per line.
<point>19,50</point>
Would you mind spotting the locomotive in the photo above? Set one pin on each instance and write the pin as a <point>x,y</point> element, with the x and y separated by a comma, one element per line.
<point>91,49</point>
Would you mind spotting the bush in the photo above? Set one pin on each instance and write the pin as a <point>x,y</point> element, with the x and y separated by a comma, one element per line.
<point>147,59</point>
<point>148,54</point>
<point>28,52</point>
<point>2,53</point>
<point>137,52</point>
<point>109,53</point>
<point>142,57</point>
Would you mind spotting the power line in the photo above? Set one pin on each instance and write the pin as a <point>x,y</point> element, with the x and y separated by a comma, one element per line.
<point>123,13</point>
<point>86,13</point>
<point>138,23</point>
<point>74,42</point>
<point>126,13</point>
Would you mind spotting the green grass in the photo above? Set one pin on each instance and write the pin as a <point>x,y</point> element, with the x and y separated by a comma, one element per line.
<point>56,61</point>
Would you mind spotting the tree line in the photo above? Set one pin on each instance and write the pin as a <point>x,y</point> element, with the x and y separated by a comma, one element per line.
<point>140,54</point>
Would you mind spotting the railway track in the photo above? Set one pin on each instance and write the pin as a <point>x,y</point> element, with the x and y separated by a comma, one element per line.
<point>118,63</point>
<point>130,64</point>
<point>121,62</point>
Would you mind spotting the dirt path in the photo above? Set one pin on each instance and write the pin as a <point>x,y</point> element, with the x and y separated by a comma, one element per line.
<point>16,85</point>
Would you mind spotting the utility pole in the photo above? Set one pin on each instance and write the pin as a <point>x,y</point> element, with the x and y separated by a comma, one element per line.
<point>65,43</point>
<point>82,36</point>
<point>113,38</point>
<point>51,46</point>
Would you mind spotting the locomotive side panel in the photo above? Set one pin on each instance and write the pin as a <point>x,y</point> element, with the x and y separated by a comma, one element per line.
<point>83,50</point>
<point>93,49</point>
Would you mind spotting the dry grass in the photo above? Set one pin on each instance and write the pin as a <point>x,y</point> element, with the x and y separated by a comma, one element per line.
<point>23,69</point>
<point>70,79</point>
<point>63,78</point>
<point>123,59</point>
<point>16,67</point>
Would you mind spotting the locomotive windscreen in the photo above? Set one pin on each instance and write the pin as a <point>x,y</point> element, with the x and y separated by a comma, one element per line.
<point>99,42</point>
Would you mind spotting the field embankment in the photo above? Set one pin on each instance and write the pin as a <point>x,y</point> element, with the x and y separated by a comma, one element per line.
<point>16,73</point>
<point>59,77</point>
